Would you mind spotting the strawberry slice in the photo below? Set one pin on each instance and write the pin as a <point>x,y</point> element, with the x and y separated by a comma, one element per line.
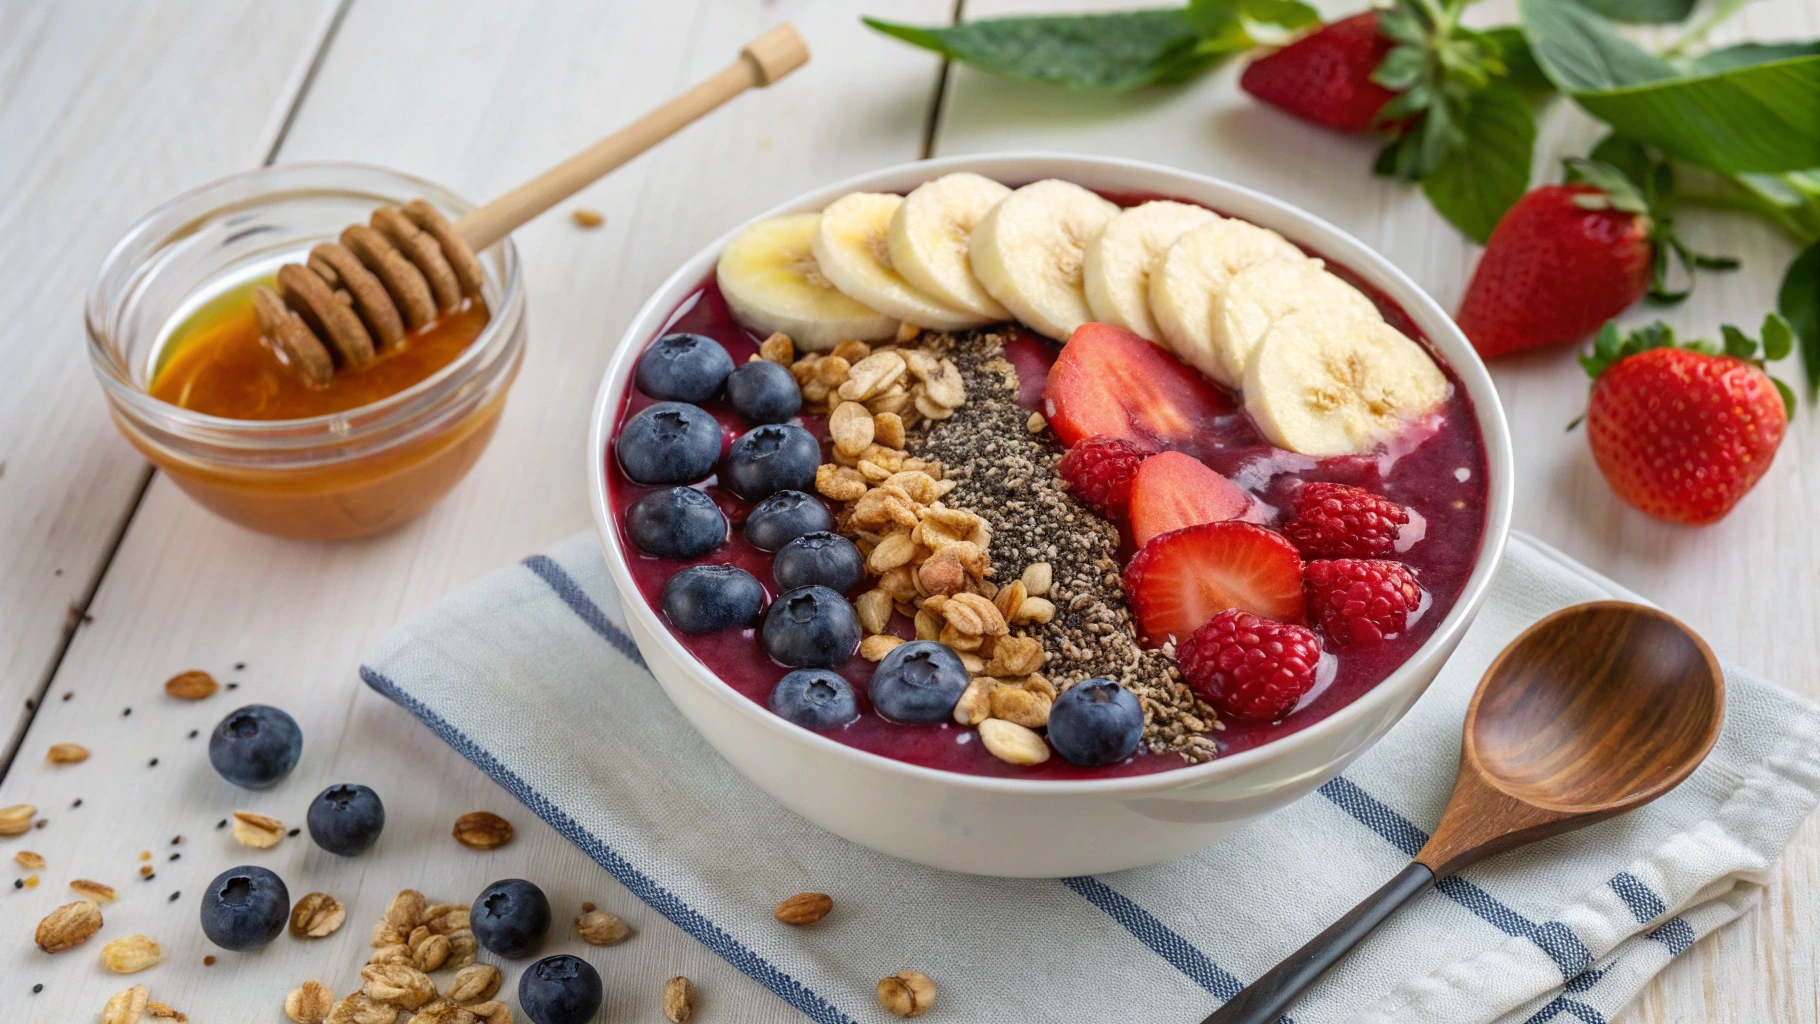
<point>1109,381</point>
<point>1173,490</point>
<point>1181,580</point>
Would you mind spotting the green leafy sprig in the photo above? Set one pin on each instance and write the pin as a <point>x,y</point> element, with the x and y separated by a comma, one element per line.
<point>1611,346</point>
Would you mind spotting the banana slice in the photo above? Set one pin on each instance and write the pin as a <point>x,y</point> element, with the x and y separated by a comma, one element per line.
<point>1028,252</point>
<point>850,247</point>
<point>1323,383</point>
<point>1260,295</point>
<point>1116,271</point>
<point>1195,270</point>
<point>771,282</point>
<point>928,240</point>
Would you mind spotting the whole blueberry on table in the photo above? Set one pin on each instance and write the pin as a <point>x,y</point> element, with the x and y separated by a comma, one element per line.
<point>814,698</point>
<point>785,516</point>
<point>509,916</point>
<point>764,392</point>
<point>669,443</point>
<point>255,746</point>
<point>676,522</point>
<point>819,559</point>
<point>245,908</point>
<point>560,989</point>
<point>710,598</point>
<point>684,368</point>
<point>774,457</point>
<point>920,681</point>
<point>811,627</point>
<point>346,819</point>
<point>1096,722</point>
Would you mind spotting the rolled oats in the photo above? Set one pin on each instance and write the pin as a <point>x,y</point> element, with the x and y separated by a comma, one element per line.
<point>1015,656</point>
<point>94,890</point>
<point>872,375</point>
<point>126,1007</point>
<point>1012,743</point>
<point>875,647</point>
<point>888,429</point>
<point>777,349</point>
<point>873,608</point>
<point>850,427</point>
<point>975,705</point>
<point>28,860</point>
<point>491,1011</point>
<point>929,407</point>
<point>851,351</point>
<point>474,983</point>
<point>17,819</point>
<point>1037,579</point>
<point>442,1011</point>
<point>1034,609</point>
<point>832,371</point>
<point>443,918</point>
<point>804,908</point>
<point>360,1008</point>
<point>394,953</point>
<point>192,685</point>
<point>482,830</point>
<point>1036,423</point>
<point>894,550</point>
<point>991,622</point>
<point>66,753</point>
<point>1009,598</point>
<point>316,915</point>
<point>907,993</point>
<point>68,926</point>
<point>429,951</point>
<point>679,1000</point>
<point>1022,706</point>
<point>385,934</point>
<point>398,984</point>
<point>131,954</point>
<point>259,831</point>
<point>161,1011</point>
<point>462,949</point>
<point>309,1003</point>
<point>840,482</point>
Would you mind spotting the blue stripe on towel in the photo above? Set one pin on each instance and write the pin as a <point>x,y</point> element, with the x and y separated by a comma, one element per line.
<point>1677,935</point>
<point>641,885</point>
<point>1561,1004</point>
<point>581,604</point>
<point>1644,905</point>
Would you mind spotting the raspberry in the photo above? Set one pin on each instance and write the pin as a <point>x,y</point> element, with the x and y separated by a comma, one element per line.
<point>1099,471</point>
<point>1361,602</point>
<point>1338,521</point>
<point>1250,667</point>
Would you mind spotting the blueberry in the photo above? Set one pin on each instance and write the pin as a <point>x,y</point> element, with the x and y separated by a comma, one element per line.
<point>811,627</point>
<point>764,392</point>
<point>346,819</point>
<point>774,457</point>
<point>560,989</point>
<point>255,746</point>
<point>509,917</point>
<point>920,681</point>
<point>785,516</point>
<point>710,598</point>
<point>1096,722</point>
<point>814,698</point>
<point>825,559</point>
<point>684,368</point>
<point>676,522</point>
<point>669,443</point>
<point>245,908</point>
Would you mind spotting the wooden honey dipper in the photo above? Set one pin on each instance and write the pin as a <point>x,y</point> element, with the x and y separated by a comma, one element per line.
<point>409,264</point>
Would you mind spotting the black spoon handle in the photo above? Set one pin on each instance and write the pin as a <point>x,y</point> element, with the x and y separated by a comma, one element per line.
<point>1264,999</point>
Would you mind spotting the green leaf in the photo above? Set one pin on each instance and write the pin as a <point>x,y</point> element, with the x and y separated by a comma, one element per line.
<point>1746,54</point>
<point>1581,51</point>
<point>1788,396</point>
<point>1476,182</point>
<point>1520,67</point>
<point>1630,158</point>
<point>1778,337</point>
<point>1799,301</point>
<point>1098,52</point>
<point>1262,21</point>
<point>1648,11</point>
<point>1760,117</point>
<point>1738,345</point>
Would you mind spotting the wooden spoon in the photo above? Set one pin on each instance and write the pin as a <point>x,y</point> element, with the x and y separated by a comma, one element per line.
<point>1593,711</point>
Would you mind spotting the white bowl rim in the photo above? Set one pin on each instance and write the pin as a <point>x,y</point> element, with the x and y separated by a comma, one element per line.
<point>1362,260</point>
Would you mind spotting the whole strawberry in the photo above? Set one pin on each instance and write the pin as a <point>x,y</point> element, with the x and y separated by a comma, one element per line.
<point>1326,77</point>
<point>1683,432</point>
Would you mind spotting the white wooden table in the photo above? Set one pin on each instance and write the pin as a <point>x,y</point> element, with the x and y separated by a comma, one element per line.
<point>111,580</point>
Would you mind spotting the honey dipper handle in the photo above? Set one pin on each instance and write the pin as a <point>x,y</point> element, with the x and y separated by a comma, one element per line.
<point>762,61</point>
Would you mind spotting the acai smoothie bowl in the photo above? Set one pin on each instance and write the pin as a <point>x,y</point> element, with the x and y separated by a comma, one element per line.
<point>1044,515</point>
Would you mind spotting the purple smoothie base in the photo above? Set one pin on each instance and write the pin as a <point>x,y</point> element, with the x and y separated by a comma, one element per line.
<point>1426,478</point>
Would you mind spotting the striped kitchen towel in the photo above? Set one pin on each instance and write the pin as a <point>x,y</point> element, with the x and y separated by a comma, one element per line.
<point>1566,930</point>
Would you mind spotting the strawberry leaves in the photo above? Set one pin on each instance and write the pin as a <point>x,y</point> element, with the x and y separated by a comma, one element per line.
<point>1645,188</point>
<point>1611,346</point>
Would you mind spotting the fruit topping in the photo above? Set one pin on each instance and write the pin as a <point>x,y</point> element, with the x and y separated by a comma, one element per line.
<point>850,247</point>
<point>811,627</point>
<point>1361,602</point>
<point>675,522</point>
<point>819,559</point>
<point>1116,271</point>
<point>814,698</point>
<point>710,598</point>
<point>255,746</point>
<point>560,989</point>
<point>669,443</point>
<point>1264,293</point>
<point>1096,722</point>
<point>1341,521</point>
<point>346,819</point>
<point>1322,383</point>
<point>771,458</point>
<point>1111,382</point>
<point>1099,472</point>
<point>1327,77</point>
<point>764,392</point>
<point>1180,580</point>
<point>509,917</point>
<point>683,368</point>
<point>1172,491</point>
<point>245,908</point>
<point>1250,667</point>
<point>1194,272</point>
<point>785,516</point>
<point>772,283</point>
<point>927,241</point>
<point>919,681</point>
<point>1028,250</point>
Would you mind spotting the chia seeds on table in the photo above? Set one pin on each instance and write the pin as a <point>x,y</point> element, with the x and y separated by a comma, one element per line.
<point>1007,476</point>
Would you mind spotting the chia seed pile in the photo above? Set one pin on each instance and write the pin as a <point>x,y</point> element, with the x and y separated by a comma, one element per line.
<point>1007,475</point>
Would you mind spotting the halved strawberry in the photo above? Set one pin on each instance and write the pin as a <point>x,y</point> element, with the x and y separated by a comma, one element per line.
<point>1173,490</point>
<point>1111,382</point>
<point>1181,580</point>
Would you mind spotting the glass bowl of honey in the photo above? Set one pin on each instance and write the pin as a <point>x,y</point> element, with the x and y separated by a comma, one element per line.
<point>177,346</point>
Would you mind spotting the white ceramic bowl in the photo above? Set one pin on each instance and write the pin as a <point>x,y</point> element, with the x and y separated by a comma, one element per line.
<point>999,826</point>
